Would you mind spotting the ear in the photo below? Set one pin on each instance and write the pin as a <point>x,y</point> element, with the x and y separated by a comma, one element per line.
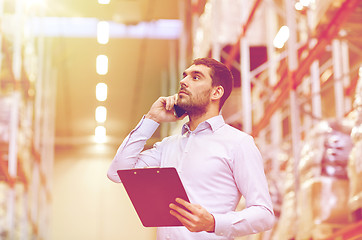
<point>217,92</point>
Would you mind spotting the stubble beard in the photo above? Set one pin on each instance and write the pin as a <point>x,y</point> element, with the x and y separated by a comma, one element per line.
<point>194,106</point>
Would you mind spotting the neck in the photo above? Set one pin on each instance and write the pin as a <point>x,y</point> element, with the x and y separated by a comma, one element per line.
<point>195,120</point>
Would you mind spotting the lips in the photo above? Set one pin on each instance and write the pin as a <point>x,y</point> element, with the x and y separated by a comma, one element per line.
<point>182,91</point>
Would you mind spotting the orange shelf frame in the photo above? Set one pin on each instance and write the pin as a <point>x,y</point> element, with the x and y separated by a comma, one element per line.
<point>295,78</point>
<point>351,232</point>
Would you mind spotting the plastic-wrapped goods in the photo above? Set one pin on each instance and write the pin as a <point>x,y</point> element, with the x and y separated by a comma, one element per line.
<point>222,22</point>
<point>355,184</point>
<point>285,228</point>
<point>312,152</point>
<point>355,159</point>
<point>326,151</point>
<point>322,198</point>
<point>287,224</point>
<point>321,207</point>
<point>5,115</point>
<point>337,147</point>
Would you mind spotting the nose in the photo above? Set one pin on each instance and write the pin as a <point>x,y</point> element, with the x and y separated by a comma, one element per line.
<point>183,82</point>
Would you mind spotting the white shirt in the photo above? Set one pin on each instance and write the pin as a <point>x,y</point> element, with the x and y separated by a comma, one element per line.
<point>217,165</point>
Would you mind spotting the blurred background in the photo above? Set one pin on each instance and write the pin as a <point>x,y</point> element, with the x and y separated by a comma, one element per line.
<point>77,76</point>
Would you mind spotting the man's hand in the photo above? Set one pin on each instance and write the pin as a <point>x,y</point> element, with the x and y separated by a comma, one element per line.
<point>162,110</point>
<point>197,219</point>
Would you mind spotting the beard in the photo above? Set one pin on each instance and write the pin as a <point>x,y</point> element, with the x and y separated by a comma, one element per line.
<point>194,104</point>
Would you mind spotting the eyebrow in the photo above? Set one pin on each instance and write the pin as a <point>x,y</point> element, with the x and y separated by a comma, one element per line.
<point>193,72</point>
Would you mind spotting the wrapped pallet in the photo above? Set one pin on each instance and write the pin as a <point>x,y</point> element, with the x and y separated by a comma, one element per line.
<point>287,223</point>
<point>322,198</point>
<point>355,159</point>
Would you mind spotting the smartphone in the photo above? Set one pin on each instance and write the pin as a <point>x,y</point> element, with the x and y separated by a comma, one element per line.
<point>179,111</point>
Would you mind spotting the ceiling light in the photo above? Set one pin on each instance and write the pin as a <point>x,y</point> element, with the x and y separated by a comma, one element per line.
<point>101,114</point>
<point>101,92</point>
<point>103,32</point>
<point>100,134</point>
<point>102,64</point>
<point>298,6</point>
<point>104,1</point>
<point>281,37</point>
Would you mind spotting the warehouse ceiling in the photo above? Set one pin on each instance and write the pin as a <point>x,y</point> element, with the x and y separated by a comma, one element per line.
<point>136,67</point>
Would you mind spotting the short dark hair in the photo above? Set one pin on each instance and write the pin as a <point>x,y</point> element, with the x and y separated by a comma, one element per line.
<point>220,75</point>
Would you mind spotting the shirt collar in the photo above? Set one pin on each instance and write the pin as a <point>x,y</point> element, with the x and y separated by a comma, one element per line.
<point>213,123</point>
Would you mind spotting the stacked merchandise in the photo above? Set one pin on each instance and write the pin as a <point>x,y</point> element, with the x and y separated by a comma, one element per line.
<point>13,189</point>
<point>322,198</point>
<point>355,160</point>
<point>5,106</point>
<point>285,228</point>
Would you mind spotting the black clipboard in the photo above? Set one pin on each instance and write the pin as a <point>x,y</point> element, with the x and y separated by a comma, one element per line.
<point>151,190</point>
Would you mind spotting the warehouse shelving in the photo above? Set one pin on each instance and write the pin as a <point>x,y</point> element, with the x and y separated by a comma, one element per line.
<point>26,127</point>
<point>283,98</point>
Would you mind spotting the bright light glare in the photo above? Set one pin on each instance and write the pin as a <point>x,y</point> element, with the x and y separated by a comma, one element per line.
<point>305,3</point>
<point>360,72</point>
<point>101,114</point>
<point>102,64</point>
<point>100,134</point>
<point>103,32</point>
<point>298,6</point>
<point>326,75</point>
<point>101,92</point>
<point>38,3</point>
<point>104,1</point>
<point>281,37</point>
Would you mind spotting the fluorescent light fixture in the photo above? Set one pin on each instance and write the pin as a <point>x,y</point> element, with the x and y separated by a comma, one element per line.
<point>87,28</point>
<point>101,114</point>
<point>103,32</point>
<point>281,37</point>
<point>101,92</point>
<point>102,64</point>
<point>104,1</point>
<point>100,134</point>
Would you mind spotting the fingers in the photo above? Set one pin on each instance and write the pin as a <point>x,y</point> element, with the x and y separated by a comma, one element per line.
<point>187,219</point>
<point>170,102</point>
<point>182,211</point>
<point>182,219</point>
<point>187,205</point>
<point>163,109</point>
<point>195,218</point>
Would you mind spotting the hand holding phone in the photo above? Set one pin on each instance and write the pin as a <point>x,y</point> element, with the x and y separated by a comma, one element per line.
<point>179,112</point>
<point>165,110</point>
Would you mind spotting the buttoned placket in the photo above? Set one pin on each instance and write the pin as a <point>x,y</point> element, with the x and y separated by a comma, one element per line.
<point>188,136</point>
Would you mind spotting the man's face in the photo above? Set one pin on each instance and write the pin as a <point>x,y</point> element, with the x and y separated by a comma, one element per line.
<point>195,89</point>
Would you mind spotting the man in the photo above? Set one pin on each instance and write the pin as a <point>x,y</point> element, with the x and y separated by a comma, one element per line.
<point>216,162</point>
